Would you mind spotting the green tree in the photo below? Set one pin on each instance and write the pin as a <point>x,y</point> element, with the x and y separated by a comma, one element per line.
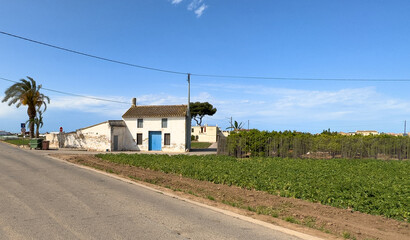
<point>200,110</point>
<point>38,122</point>
<point>27,93</point>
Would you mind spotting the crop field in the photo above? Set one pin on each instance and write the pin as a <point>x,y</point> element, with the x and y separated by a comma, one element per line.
<point>370,186</point>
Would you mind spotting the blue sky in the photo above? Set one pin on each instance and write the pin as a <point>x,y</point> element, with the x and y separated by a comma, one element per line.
<point>289,38</point>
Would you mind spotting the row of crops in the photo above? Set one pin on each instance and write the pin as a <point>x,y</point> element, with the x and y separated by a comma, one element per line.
<point>370,186</point>
<point>306,145</point>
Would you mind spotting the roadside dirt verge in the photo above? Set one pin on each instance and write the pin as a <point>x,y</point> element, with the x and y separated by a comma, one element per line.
<point>311,218</point>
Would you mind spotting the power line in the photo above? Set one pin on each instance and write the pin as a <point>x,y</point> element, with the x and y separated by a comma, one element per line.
<point>90,55</point>
<point>305,79</point>
<point>205,75</point>
<point>71,94</point>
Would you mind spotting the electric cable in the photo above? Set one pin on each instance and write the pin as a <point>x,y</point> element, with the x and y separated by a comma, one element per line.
<point>71,94</point>
<point>204,75</point>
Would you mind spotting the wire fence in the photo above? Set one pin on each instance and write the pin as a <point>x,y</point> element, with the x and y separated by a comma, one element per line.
<point>323,146</point>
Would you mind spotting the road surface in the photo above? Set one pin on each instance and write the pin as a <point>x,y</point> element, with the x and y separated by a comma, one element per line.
<point>43,198</point>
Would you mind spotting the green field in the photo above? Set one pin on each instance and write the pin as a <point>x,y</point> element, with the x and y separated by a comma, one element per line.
<point>19,141</point>
<point>370,186</point>
<point>200,145</point>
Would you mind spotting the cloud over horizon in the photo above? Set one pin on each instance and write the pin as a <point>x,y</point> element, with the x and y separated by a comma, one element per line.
<point>267,108</point>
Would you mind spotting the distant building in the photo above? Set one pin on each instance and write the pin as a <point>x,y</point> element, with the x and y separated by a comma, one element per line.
<point>4,133</point>
<point>395,134</point>
<point>367,132</point>
<point>207,133</point>
<point>347,133</point>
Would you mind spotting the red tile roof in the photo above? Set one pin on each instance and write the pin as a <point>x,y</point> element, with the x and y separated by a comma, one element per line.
<point>156,111</point>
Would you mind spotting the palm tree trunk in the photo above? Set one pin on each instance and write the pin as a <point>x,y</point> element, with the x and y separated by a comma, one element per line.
<point>37,131</point>
<point>31,112</point>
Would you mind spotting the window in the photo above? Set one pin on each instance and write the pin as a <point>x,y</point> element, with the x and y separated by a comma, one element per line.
<point>164,123</point>
<point>167,139</point>
<point>140,123</point>
<point>192,130</point>
<point>139,138</point>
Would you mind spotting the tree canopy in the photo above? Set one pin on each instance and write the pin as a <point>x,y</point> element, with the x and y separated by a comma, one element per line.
<point>27,93</point>
<point>200,110</point>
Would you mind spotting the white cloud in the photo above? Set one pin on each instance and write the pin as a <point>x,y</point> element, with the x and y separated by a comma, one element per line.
<point>7,112</point>
<point>298,108</point>
<point>161,99</point>
<point>194,4</point>
<point>176,1</point>
<point>111,108</point>
<point>197,6</point>
<point>200,10</point>
<point>88,105</point>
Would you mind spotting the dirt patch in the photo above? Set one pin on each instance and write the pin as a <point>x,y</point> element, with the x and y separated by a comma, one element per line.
<point>303,216</point>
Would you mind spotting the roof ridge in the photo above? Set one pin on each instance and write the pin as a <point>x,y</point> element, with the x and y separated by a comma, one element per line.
<point>156,111</point>
<point>159,105</point>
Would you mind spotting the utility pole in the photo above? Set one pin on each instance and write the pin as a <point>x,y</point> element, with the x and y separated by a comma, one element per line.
<point>188,130</point>
<point>189,92</point>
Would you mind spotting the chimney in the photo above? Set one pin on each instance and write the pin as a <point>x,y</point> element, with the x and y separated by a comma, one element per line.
<point>134,102</point>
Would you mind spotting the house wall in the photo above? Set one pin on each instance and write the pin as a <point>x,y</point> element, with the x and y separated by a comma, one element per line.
<point>176,128</point>
<point>120,132</point>
<point>209,133</point>
<point>95,138</point>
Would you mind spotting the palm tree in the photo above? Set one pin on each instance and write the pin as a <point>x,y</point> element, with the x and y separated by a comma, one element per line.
<point>27,92</point>
<point>236,126</point>
<point>38,122</point>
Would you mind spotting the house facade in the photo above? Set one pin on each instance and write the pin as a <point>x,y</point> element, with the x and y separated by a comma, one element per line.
<point>207,133</point>
<point>157,128</point>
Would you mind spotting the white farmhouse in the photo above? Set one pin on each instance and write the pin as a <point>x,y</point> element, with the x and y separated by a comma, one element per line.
<point>142,128</point>
<point>158,128</point>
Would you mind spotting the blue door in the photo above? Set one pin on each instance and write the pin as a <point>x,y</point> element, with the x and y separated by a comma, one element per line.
<point>155,141</point>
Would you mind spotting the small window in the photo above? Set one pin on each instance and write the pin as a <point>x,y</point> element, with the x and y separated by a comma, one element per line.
<point>164,123</point>
<point>139,138</point>
<point>192,130</point>
<point>167,139</point>
<point>202,129</point>
<point>140,123</point>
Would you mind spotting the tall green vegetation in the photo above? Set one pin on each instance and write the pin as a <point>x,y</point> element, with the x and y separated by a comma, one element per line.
<point>325,145</point>
<point>200,110</point>
<point>27,93</point>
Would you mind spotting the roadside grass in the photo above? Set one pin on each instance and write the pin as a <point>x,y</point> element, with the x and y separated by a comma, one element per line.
<point>370,186</point>
<point>200,145</point>
<point>18,142</point>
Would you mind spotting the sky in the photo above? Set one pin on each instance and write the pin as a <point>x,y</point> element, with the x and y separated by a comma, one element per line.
<point>295,39</point>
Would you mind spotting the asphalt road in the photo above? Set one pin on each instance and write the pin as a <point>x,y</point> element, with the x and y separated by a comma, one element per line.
<point>43,198</point>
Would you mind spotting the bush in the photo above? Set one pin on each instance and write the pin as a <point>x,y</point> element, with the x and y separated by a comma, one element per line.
<point>325,145</point>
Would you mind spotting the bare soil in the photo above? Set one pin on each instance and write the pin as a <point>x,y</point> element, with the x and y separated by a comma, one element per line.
<point>303,216</point>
